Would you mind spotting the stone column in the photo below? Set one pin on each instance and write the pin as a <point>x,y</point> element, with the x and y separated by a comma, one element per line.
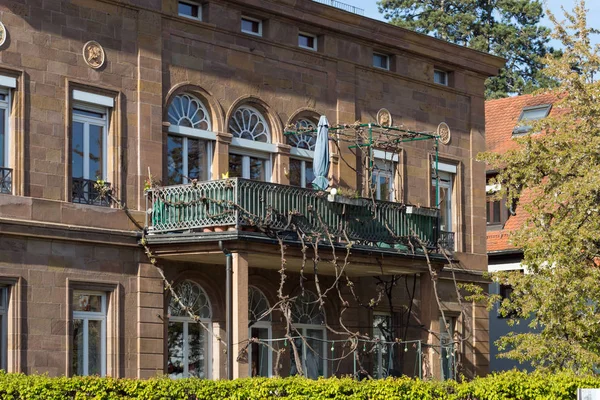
<point>431,322</point>
<point>240,312</point>
<point>220,163</point>
<point>281,167</point>
<point>150,326</point>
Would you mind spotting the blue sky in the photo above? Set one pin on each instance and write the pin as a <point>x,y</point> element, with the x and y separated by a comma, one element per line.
<point>370,7</point>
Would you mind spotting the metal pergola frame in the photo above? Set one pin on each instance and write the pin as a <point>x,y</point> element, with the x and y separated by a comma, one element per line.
<point>397,135</point>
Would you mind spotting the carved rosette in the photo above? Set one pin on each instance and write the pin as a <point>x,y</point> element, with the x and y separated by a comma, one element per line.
<point>384,117</point>
<point>93,54</point>
<point>443,132</point>
<point>2,34</point>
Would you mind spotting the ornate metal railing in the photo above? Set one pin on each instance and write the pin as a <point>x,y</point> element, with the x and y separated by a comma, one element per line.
<point>447,240</point>
<point>85,191</point>
<point>342,6</point>
<point>5,180</point>
<point>239,203</point>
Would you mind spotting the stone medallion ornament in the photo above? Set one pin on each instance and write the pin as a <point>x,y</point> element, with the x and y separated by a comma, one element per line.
<point>93,54</point>
<point>384,118</point>
<point>443,132</point>
<point>2,34</point>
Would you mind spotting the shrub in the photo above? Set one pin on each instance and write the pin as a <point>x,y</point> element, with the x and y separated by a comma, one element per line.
<point>508,385</point>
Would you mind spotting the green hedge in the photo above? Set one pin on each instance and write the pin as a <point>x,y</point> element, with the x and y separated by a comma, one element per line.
<point>509,385</point>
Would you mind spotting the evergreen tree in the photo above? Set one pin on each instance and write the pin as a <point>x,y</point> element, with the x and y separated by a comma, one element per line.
<point>560,168</point>
<point>506,28</point>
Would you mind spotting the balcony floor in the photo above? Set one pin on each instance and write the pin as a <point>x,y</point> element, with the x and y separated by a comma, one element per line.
<point>265,252</point>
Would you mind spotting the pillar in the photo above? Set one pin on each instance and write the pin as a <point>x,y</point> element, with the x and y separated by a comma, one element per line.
<point>240,312</point>
<point>430,320</point>
<point>150,326</point>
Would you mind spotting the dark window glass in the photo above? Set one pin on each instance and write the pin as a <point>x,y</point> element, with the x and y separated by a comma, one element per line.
<point>235,166</point>
<point>381,61</point>
<point>175,160</point>
<point>493,212</point>
<point>295,172</point>
<point>440,77</point>
<point>306,41</point>
<point>250,26</point>
<point>189,10</point>
<point>77,157</point>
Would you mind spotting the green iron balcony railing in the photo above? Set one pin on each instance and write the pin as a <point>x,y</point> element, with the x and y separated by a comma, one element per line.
<point>240,203</point>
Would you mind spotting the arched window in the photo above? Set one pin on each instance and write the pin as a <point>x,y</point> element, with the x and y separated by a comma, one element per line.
<point>302,153</point>
<point>188,341</point>
<point>260,356</point>
<point>190,139</point>
<point>248,123</point>
<point>309,321</point>
<point>249,151</point>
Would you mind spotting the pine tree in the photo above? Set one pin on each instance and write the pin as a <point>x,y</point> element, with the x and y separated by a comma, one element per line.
<point>506,28</point>
<point>560,168</point>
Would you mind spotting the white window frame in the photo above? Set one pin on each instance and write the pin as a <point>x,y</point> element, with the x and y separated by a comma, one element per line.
<point>391,175</point>
<point>191,3</point>
<point>260,25</point>
<point>262,325</point>
<point>208,155</point>
<point>4,327</point>
<point>446,181</point>
<point>302,329</point>
<point>5,106</point>
<point>387,60</point>
<point>87,121</point>
<point>87,316</point>
<point>304,156</point>
<point>444,335</point>
<point>186,321</point>
<point>439,72</point>
<point>246,154</point>
<point>310,35</point>
<point>385,314</point>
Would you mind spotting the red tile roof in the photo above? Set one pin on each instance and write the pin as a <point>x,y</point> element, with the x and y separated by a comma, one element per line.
<point>501,117</point>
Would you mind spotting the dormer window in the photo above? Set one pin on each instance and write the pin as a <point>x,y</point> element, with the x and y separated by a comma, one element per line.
<point>534,113</point>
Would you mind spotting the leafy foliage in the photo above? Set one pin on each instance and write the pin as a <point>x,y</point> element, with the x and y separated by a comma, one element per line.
<point>559,170</point>
<point>509,385</point>
<point>508,29</point>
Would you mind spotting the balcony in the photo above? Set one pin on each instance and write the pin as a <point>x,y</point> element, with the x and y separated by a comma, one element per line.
<point>85,191</point>
<point>342,6</point>
<point>5,180</point>
<point>240,204</point>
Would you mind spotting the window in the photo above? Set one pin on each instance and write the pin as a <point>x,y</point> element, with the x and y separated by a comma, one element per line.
<point>309,320</point>
<point>190,10</point>
<point>383,330</point>
<point>440,77</point>
<point>444,199</point>
<point>189,144</point>
<point>303,145</point>
<point>3,327</point>
<point>5,170</point>
<point>448,348</point>
<point>89,333</point>
<point>307,41</point>
<point>381,61</point>
<point>382,180</point>
<point>251,138</point>
<point>493,211</point>
<point>534,113</point>
<point>260,357</point>
<point>89,136</point>
<point>252,26</point>
<point>188,341</point>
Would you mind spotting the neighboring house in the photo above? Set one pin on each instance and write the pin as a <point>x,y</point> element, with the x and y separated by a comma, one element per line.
<point>506,119</point>
<point>113,89</point>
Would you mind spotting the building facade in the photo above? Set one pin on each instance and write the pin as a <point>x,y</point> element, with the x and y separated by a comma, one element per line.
<point>506,119</point>
<point>186,92</point>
